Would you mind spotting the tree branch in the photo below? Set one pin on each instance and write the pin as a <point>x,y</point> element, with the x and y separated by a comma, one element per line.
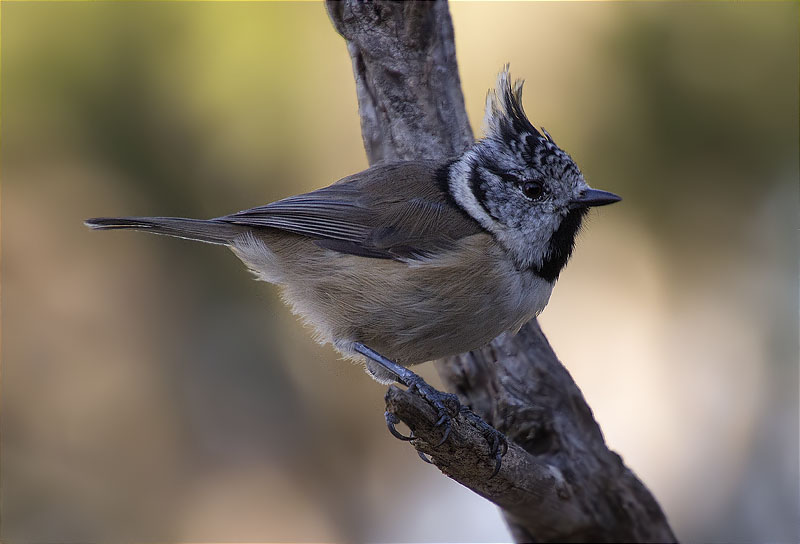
<point>409,93</point>
<point>558,481</point>
<point>523,487</point>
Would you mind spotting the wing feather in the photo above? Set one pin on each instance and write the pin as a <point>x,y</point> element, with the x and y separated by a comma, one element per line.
<point>372,214</point>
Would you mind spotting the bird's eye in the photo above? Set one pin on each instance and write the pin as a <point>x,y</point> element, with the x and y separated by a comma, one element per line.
<point>533,190</point>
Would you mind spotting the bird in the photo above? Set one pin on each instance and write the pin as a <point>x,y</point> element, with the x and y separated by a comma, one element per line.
<point>411,261</point>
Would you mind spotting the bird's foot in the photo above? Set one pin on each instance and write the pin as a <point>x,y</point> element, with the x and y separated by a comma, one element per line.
<point>445,404</point>
<point>498,444</point>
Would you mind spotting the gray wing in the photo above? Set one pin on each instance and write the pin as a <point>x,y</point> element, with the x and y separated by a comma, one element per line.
<point>393,211</point>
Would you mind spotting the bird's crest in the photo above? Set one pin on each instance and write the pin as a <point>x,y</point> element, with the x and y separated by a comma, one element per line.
<point>504,117</point>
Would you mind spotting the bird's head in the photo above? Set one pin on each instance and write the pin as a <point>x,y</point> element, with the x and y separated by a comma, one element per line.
<point>523,188</point>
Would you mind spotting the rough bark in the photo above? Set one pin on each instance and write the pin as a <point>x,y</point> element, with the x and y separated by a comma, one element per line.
<point>558,481</point>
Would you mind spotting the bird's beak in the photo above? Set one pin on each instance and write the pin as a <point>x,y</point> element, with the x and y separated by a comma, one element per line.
<point>594,197</point>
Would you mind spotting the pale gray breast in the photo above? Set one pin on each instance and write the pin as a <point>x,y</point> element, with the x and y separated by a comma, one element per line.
<point>411,311</point>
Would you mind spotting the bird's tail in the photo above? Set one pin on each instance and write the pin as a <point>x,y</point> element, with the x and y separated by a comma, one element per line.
<point>212,231</point>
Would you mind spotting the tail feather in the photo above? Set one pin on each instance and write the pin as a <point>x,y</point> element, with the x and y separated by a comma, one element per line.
<point>210,231</point>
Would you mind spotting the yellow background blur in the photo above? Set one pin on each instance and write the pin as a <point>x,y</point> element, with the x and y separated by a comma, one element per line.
<point>152,391</point>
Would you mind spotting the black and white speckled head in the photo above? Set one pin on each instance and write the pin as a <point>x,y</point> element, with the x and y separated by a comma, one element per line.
<point>522,187</point>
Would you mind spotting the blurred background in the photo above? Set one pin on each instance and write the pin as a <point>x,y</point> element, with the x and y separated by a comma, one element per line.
<point>152,391</point>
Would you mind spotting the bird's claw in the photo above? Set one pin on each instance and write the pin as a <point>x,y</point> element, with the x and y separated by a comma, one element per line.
<point>498,444</point>
<point>445,404</point>
<point>391,421</point>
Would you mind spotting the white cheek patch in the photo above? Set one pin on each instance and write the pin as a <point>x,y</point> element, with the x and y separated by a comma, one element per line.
<point>461,191</point>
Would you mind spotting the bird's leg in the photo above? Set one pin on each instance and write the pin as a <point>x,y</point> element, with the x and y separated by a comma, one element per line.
<point>445,404</point>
